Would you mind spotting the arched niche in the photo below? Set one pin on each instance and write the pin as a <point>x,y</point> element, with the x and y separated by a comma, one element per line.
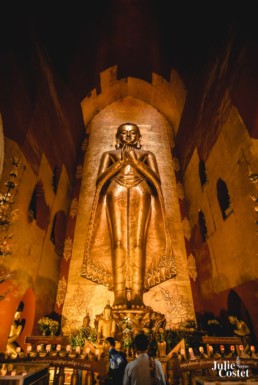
<point>8,308</point>
<point>237,307</point>
<point>158,137</point>
<point>57,235</point>
<point>38,208</point>
<point>224,199</point>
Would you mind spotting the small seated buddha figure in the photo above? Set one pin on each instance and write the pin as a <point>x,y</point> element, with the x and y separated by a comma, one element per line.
<point>241,330</point>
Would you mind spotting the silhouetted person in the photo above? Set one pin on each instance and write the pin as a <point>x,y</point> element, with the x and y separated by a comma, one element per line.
<point>144,369</point>
<point>117,362</point>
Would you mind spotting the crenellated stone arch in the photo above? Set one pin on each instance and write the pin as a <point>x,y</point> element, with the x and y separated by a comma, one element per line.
<point>166,97</point>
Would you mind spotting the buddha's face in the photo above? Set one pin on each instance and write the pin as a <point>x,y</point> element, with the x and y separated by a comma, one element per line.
<point>107,312</point>
<point>232,320</point>
<point>17,315</point>
<point>128,134</point>
<point>86,321</point>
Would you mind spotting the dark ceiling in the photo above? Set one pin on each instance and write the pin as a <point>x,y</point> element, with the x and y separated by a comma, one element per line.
<point>140,36</point>
<point>79,40</point>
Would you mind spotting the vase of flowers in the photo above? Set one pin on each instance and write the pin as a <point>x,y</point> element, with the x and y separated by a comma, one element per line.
<point>44,324</point>
<point>127,336</point>
<point>53,327</point>
<point>48,326</point>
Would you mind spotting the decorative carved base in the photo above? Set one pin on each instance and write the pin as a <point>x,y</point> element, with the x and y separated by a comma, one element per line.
<point>139,319</point>
<point>124,323</point>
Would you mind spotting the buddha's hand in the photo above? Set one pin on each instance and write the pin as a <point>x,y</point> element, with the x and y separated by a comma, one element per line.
<point>129,154</point>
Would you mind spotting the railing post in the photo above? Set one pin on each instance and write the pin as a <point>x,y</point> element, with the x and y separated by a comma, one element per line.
<point>75,377</point>
<point>55,376</point>
<point>61,376</point>
<point>84,377</point>
<point>89,378</point>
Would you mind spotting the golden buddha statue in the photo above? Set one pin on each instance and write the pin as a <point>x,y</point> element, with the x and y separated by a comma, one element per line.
<point>86,321</point>
<point>241,330</point>
<point>129,191</point>
<point>106,324</point>
<point>15,331</point>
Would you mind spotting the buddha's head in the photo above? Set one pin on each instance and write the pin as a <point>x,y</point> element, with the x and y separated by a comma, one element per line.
<point>107,311</point>
<point>18,312</point>
<point>233,319</point>
<point>128,134</point>
<point>86,320</point>
<point>17,315</point>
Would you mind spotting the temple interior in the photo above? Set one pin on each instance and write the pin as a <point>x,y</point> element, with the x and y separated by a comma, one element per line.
<point>187,76</point>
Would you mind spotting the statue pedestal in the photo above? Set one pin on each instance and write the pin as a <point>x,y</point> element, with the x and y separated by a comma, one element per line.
<point>138,319</point>
<point>162,348</point>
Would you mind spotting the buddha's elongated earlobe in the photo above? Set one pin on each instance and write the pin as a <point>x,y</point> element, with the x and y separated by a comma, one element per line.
<point>118,144</point>
<point>138,144</point>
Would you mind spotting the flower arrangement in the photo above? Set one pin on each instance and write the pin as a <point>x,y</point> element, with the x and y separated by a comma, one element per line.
<point>54,326</point>
<point>92,337</point>
<point>77,338</point>
<point>48,325</point>
<point>171,337</point>
<point>187,332</point>
<point>127,338</point>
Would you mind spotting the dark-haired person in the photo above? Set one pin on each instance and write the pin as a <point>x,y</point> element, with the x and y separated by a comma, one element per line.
<point>144,370</point>
<point>117,362</point>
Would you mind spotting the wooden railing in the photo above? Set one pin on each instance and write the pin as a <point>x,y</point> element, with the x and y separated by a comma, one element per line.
<point>78,371</point>
<point>69,368</point>
<point>66,370</point>
<point>185,372</point>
